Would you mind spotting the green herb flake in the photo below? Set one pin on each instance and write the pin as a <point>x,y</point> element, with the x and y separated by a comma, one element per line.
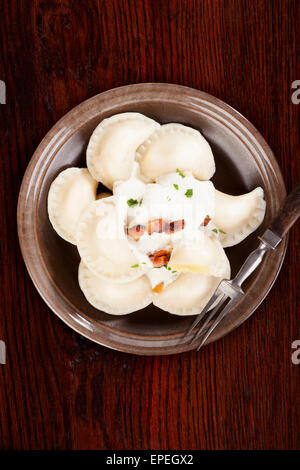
<point>132,202</point>
<point>168,198</point>
<point>144,262</point>
<point>140,203</point>
<point>135,266</point>
<point>189,193</point>
<point>174,272</point>
<point>169,269</point>
<point>176,186</point>
<point>180,173</point>
<point>215,230</point>
<point>221,231</point>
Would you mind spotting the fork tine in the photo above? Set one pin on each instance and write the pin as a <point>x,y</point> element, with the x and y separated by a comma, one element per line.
<point>215,323</point>
<point>209,317</point>
<point>199,317</point>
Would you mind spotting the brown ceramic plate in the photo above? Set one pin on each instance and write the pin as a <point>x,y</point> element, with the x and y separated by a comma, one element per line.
<point>243,161</point>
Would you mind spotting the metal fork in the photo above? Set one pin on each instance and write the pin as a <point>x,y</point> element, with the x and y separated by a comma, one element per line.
<point>230,291</point>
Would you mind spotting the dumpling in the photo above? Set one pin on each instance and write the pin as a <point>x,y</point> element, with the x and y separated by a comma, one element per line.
<point>205,255</point>
<point>103,195</point>
<point>102,243</point>
<point>69,194</point>
<point>189,293</point>
<point>238,216</point>
<point>111,149</point>
<point>172,147</point>
<point>112,297</point>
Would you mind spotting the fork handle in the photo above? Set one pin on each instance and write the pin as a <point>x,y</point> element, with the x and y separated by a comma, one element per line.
<point>251,263</point>
<point>280,226</point>
<point>288,214</point>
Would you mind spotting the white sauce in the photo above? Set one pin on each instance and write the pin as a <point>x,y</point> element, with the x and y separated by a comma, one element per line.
<point>167,199</point>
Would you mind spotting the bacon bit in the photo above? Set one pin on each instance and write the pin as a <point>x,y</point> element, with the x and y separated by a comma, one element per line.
<point>175,226</point>
<point>206,221</point>
<point>155,225</point>
<point>160,258</point>
<point>136,232</point>
<point>158,288</point>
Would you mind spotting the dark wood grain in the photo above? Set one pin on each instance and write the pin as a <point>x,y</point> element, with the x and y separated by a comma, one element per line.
<point>59,390</point>
<point>289,214</point>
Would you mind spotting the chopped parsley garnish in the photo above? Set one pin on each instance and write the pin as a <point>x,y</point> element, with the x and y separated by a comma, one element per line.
<point>140,203</point>
<point>180,173</point>
<point>174,272</point>
<point>132,202</point>
<point>135,266</point>
<point>215,230</point>
<point>189,193</point>
<point>167,267</point>
<point>208,216</point>
<point>221,231</point>
<point>144,262</point>
<point>175,186</point>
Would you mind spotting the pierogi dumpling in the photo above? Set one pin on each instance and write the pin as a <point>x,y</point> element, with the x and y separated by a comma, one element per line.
<point>111,149</point>
<point>112,297</point>
<point>69,194</point>
<point>172,147</point>
<point>189,293</point>
<point>103,195</point>
<point>238,216</point>
<point>102,244</point>
<point>205,256</point>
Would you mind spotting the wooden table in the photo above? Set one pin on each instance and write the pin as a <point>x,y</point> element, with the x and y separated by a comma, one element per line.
<point>60,391</point>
